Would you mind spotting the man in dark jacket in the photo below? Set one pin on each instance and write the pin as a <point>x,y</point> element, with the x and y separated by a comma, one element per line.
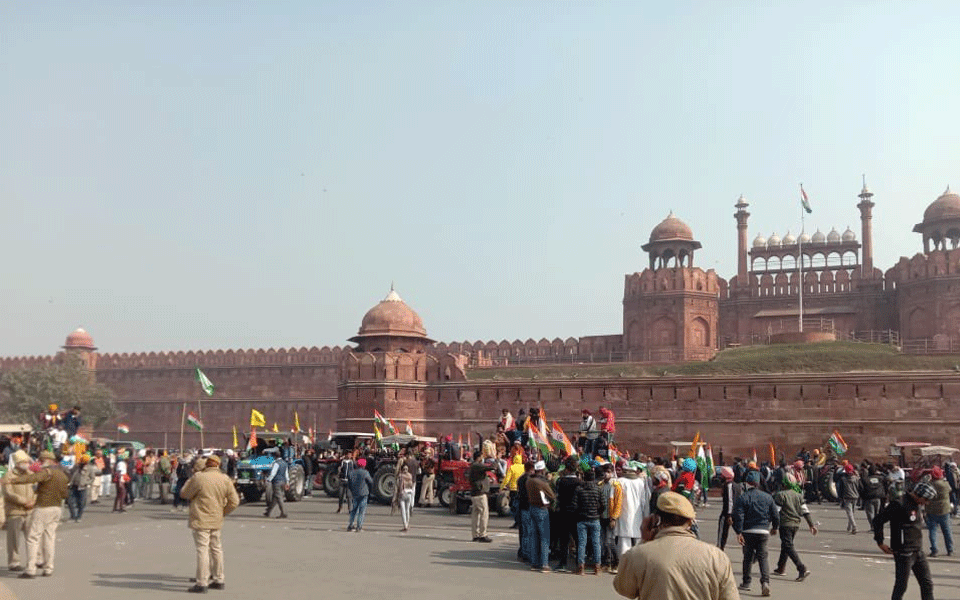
<point>586,503</point>
<point>755,518</point>
<point>360,483</point>
<point>848,484</point>
<point>566,517</point>
<point>873,492</point>
<point>906,539</point>
<point>523,506</point>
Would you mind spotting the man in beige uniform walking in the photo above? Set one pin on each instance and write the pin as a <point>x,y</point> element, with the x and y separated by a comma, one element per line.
<point>42,525</point>
<point>212,496</point>
<point>19,501</point>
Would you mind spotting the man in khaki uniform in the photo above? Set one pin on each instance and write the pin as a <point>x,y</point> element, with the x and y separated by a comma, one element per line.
<point>212,496</point>
<point>18,504</point>
<point>42,525</point>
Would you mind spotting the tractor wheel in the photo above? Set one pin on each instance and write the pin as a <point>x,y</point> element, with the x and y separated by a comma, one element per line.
<point>502,504</point>
<point>384,484</point>
<point>295,479</point>
<point>251,494</point>
<point>444,495</point>
<point>331,480</point>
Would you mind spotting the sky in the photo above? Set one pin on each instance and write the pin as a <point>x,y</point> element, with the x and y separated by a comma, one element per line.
<point>185,176</point>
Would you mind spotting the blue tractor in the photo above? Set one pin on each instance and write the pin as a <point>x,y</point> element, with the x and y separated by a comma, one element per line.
<point>252,471</point>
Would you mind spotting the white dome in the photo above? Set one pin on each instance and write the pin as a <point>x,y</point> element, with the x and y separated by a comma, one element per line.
<point>849,235</point>
<point>833,236</point>
<point>818,238</point>
<point>759,241</point>
<point>804,238</point>
<point>789,239</point>
<point>773,240</point>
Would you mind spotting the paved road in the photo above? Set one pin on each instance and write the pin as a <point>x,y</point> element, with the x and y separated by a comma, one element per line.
<point>148,553</point>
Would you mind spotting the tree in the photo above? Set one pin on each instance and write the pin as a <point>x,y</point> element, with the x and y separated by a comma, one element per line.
<point>26,392</point>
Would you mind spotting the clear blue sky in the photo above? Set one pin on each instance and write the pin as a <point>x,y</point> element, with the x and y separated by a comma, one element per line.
<point>183,175</point>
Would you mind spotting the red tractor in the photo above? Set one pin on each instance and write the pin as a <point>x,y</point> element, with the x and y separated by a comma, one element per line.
<point>453,489</point>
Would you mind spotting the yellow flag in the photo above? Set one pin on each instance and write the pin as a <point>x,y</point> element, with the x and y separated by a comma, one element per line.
<point>235,443</point>
<point>275,428</point>
<point>257,419</point>
<point>296,421</point>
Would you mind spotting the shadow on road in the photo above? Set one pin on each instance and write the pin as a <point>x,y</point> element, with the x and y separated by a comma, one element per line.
<point>142,581</point>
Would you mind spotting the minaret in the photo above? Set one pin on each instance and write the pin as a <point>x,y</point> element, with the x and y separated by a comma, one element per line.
<point>741,216</point>
<point>866,231</point>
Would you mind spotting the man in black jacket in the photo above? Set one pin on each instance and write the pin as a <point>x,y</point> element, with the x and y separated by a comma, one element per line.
<point>523,508</point>
<point>906,539</point>
<point>587,503</point>
<point>566,514</point>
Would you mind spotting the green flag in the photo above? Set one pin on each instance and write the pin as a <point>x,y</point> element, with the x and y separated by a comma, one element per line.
<point>205,383</point>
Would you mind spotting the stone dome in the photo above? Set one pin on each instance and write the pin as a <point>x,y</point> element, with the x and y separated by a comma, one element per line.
<point>805,238</point>
<point>849,235</point>
<point>391,318</point>
<point>833,236</point>
<point>671,229</point>
<point>773,240</point>
<point>79,339</point>
<point>947,206</point>
<point>789,239</point>
<point>759,241</point>
<point>819,238</point>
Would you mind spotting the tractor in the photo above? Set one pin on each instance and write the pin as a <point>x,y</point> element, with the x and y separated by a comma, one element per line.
<point>253,470</point>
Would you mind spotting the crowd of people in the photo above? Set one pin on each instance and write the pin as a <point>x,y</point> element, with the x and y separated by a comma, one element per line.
<point>579,507</point>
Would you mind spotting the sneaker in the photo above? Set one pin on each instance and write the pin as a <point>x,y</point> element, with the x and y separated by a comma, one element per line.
<point>546,569</point>
<point>745,587</point>
<point>197,589</point>
<point>476,539</point>
<point>350,527</point>
<point>803,575</point>
<point>779,571</point>
<point>484,539</point>
<point>764,589</point>
<point>613,571</point>
<point>933,553</point>
<point>217,586</point>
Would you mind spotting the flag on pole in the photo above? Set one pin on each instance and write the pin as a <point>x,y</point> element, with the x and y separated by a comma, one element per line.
<point>560,441</point>
<point>123,428</point>
<point>194,421</point>
<point>275,428</point>
<point>376,434</point>
<point>257,419</point>
<point>804,200</point>
<point>773,455</point>
<point>614,453</point>
<point>693,445</point>
<point>205,383</point>
<point>711,467</point>
<point>235,441</point>
<point>252,441</point>
<point>391,427</point>
<point>379,420</point>
<point>702,465</point>
<point>296,421</point>
<point>409,428</point>
<point>539,441</point>
<point>836,442</point>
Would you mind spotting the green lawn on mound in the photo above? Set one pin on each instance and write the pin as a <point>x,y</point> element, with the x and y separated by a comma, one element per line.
<point>824,357</point>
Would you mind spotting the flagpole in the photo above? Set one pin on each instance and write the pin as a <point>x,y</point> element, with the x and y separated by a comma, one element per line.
<point>800,260</point>
<point>183,417</point>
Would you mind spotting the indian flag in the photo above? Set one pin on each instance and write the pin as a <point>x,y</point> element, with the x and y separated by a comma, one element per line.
<point>205,383</point>
<point>614,453</point>
<point>539,441</point>
<point>560,441</point>
<point>804,200</point>
<point>836,442</point>
<point>702,465</point>
<point>195,422</point>
<point>123,428</point>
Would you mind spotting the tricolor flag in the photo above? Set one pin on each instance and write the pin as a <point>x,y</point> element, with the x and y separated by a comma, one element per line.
<point>710,466</point>
<point>379,420</point>
<point>257,419</point>
<point>195,422</point>
<point>409,428</point>
<point>123,428</point>
<point>560,441</point>
<point>391,427</point>
<point>539,441</point>
<point>205,383</point>
<point>804,200</point>
<point>252,441</point>
<point>702,465</point>
<point>836,442</point>
<point>614,453</point>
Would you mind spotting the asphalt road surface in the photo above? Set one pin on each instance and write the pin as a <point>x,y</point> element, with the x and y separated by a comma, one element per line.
<point>148,552</point>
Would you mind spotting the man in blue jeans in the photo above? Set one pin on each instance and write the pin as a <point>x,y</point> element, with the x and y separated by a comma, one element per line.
<point>587,503</point>
<point>755,518</point>
<point>523,511</point>
<point>540,495</point>
<point>938,513</point>
<point>360,484</point>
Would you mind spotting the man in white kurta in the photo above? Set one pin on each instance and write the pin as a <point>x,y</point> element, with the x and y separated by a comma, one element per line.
<point>636,507</point>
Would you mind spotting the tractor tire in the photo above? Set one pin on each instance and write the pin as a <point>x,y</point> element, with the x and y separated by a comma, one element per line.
<point>296,480</point>
<point>251,495</point>
<point>463,504</point>
<point>444,495</point>
<point>331,480</point>
<point>384,484</point>
<point>502,504</point>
